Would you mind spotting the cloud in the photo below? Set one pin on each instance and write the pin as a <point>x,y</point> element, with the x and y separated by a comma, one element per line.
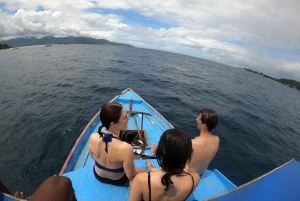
<point>261,35</point>
<point>59,23</point>
<point>71,5</point>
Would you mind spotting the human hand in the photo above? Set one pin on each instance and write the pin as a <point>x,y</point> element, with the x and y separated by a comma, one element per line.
<point>149,165</point>
<point>153,149</point>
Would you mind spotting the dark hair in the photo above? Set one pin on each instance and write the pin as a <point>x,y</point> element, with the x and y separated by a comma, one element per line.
<point>110,112</point>
<point>209,117</point>
<point>173,152</point>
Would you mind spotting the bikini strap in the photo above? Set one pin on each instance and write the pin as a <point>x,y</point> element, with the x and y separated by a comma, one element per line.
<point>192,186</point>
<point>149,186</point>
<point>108,138</point>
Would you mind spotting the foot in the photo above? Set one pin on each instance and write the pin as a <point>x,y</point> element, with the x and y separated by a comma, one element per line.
<point>19,195</point>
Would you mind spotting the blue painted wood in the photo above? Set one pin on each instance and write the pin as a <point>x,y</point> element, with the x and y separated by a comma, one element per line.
<point>280,184</point>
<point>7,198</point>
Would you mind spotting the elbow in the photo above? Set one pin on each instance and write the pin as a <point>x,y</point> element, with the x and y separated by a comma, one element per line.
<point>130,177</point>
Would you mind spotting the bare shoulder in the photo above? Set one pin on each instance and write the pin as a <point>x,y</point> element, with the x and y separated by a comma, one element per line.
<point>126,149</point>
<point>125,146</point>
<point>196,177</point>
<point>94,136</point>
<point>216,138</point>
<point>141,177</point>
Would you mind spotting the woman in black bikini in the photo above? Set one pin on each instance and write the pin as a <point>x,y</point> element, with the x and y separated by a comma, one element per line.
<point>170,182</point>
<point>113,157</point>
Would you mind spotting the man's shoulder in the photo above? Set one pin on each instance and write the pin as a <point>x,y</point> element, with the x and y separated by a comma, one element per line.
<point>199,141</point>
<point>216,138</point>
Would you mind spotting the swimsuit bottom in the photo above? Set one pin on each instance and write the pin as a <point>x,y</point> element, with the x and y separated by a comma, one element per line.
<point>120,182</point>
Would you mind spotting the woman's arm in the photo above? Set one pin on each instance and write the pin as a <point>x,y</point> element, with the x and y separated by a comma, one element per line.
<point>135,188</point>
<point>128,163</point>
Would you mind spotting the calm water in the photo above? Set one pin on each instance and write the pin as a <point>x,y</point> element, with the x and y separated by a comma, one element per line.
<point>49,94</point>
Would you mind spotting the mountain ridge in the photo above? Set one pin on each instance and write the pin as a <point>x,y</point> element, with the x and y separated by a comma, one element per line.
<point>19,42</point>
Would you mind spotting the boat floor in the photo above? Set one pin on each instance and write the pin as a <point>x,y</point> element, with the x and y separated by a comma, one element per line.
<point>87,187</point>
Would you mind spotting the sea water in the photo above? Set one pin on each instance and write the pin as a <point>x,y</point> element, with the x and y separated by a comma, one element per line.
<point>49,94</point>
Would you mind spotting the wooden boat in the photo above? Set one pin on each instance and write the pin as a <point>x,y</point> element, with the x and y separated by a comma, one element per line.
<point>283,183</point>
<point>146,121</point>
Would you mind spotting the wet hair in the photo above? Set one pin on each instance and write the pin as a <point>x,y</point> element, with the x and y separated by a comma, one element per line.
<point>173,152</point>
<point>209,117</point>
<point>110,112</point>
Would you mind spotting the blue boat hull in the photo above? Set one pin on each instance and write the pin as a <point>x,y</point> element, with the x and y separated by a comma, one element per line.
<point>283,183</point>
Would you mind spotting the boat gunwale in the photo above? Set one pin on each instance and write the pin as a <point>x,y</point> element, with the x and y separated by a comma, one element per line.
<point>248,183</point>
<point>11,197</point>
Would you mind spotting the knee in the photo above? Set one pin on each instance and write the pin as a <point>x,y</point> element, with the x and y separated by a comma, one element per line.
<point>59,180</point>
<point>57,188</point>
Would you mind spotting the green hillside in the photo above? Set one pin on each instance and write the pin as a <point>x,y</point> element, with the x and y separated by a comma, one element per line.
<point>290,83</point>
<point>4,46</point>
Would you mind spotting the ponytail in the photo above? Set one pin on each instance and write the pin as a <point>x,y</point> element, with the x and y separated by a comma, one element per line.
<point>99,131</point>
<point>166,179</point>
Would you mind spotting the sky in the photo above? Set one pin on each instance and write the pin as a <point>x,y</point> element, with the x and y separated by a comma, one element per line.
<point>260,35</point>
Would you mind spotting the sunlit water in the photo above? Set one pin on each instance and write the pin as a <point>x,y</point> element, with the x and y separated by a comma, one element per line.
<point>49,94</point>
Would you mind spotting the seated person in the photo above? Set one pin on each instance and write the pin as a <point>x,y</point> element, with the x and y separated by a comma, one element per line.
<point>113,157</point>
<point>206,145</point>
<point>56,188</point>
<point>170,182</point>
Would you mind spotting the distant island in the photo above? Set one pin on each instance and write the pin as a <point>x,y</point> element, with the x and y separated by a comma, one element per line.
<point>4,46</point>
<point>290,83</point>
<point>19,42</point>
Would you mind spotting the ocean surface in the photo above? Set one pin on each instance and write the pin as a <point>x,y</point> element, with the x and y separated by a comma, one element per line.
<point>49,94</point>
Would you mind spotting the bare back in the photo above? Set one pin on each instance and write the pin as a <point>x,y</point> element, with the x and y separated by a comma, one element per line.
<point>205,148</point>
<point>183,185</point>
<point>119,154</point>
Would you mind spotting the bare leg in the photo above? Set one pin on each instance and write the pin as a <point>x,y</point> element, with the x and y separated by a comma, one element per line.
<point>56,188</point>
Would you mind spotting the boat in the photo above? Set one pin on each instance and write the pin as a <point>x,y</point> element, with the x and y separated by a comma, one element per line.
<point>48,45</point>
<point>283,183</point>
<point>7,197</point>
<point>144,121</point>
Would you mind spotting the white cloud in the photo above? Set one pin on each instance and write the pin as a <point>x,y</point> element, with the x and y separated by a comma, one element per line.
<point>252,33</point>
